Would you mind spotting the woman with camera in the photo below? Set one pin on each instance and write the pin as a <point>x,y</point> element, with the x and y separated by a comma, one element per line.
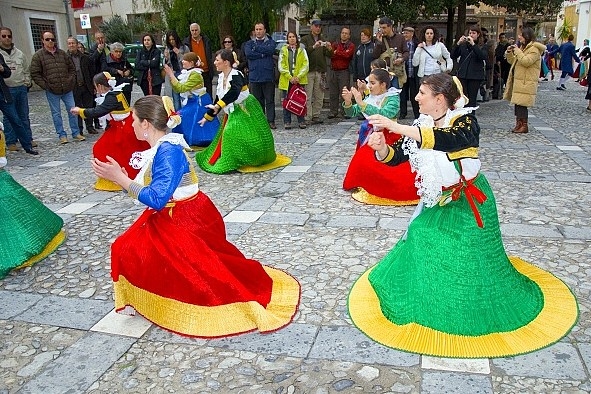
<point>471,62</point>
<point>522,84</point>
<point>431,56</point>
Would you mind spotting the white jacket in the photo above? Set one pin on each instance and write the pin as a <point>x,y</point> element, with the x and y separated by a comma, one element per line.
<point>19,65</point>
<point>438,51</point>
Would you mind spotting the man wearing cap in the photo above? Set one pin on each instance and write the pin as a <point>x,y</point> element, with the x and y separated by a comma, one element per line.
<point>317,48</point>
<point>411,86</point>
<point>391,47</point>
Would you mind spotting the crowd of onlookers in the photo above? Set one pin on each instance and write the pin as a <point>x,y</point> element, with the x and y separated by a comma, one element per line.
<point>323,67</point>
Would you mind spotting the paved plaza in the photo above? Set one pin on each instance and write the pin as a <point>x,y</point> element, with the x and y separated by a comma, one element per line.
<point>59,334</point>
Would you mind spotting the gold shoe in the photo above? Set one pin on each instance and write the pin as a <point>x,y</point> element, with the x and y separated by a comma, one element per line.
<point>63,140</point>
<point>80,137</point>
<point>13,148</point>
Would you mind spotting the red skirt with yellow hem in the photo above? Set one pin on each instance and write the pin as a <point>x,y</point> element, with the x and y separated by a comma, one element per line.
<point>119,142</point>
<point>382,184</point>
<point>176,268</point>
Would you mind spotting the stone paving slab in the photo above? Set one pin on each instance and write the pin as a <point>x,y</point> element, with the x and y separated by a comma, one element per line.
<point>307,225</point>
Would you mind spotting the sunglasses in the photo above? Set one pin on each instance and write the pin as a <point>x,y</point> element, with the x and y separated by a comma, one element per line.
<point>49,39</point>
<point>6,36</point>
<point>227,42</point>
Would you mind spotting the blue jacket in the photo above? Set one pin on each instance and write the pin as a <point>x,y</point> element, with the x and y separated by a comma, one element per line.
<point>259,54</point>
<point>567,55</point>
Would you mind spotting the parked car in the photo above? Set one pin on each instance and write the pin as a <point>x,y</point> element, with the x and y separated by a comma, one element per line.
<point>131,50</point>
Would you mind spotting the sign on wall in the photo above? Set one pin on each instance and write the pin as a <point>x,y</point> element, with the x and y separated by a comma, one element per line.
<point>85,21</point>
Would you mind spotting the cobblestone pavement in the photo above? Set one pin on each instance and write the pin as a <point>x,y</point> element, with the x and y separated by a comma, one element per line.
<point>58,332</point>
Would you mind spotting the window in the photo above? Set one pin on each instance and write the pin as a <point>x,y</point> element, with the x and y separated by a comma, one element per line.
<point>38,26</point>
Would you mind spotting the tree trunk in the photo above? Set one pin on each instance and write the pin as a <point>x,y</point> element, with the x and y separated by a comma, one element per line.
<point>449,39</point>
<point>225,28</point>
<point>461,23</point>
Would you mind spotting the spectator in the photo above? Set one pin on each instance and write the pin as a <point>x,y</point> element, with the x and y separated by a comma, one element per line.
<point>84,88</point>
<point>317,49</point>
<point>411,86</point>
<point>229,43</point>
<point>201,46</point>
<point>98,52</point>
<point>488,48</point>
<point>173,57</point>
<point>149,62</point>
<point>342,54</point>
<point>501,61</point>
<point>567,55</point>
<point>293,68</point>
<point>431,56</point>
<point>522,85</point>
<point>391,47</point>
<point>117,65</point>
<point>259,53</point>
<point>18,85</point>
<point>470,58</point>
<point>82,48</point>
<point>9,111</point>
<point>53,70</point>
<point>363,56</point>
<point>588,95</point>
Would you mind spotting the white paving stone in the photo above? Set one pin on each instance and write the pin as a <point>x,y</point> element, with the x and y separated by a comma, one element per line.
<point>243,216</point>
<point>456,364</point>
<point>296,169</point>
<point>325,141</point>
<point>77,207</point>
<point>541,128</point>
<point>118,324</point>
<point>569,148</point>
<point>54,163</point>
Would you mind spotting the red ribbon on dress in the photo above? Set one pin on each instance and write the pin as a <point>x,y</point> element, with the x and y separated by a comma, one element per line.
<point>218,149</point>
<point>472,193</point>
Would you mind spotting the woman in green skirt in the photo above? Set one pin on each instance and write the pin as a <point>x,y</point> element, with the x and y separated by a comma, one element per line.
<point>244,141</point>
<point>29,231</point>
<point>448,288</point>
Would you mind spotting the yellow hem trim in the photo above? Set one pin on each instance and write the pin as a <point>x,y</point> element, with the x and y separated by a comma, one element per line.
<point>49,248</point>
<point>214,321</point>
<point>106,185</point>
<point>557,317</point>
<point>280,161</point>
<point>362,195</point>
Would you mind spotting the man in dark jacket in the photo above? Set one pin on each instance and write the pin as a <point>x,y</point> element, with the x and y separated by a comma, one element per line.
<point>200,44</point>
<point>9,111</point>
<point>411,86</point>
<point>567,55</point>
<point>391,47</point>
<point>259,53</point>
<point>98,53</point>
<point>53,70</point>
<point>84,88</point>
<point>502,63</point>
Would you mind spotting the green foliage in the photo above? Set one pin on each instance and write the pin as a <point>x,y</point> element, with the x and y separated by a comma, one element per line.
<point>116,30</point>
<point>564,30</point>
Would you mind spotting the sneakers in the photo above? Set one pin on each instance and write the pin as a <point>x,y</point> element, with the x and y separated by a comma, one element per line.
<point>79,137</point>
<point>287,126</point>
<point>303,125</point>
<point>272,125</point>
<point>64,140</point>
<point>92,131</point>
<point>13,148</point>
<point>34,144</point>
<point>32,152</point>
<point>561,87</point>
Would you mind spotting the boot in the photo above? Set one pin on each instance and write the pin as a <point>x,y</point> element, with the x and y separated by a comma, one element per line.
<point>517,124</point>
<point>523,126</point>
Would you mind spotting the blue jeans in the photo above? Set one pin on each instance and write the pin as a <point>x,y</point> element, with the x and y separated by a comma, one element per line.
<point>15,122</point>
<point>54,106</point>
<point>20,99</point>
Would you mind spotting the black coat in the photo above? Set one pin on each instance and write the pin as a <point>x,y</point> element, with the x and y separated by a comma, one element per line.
<point>149,60</point>
<point>471,61</point>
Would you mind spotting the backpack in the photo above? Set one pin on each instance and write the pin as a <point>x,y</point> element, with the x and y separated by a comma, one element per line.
<point>295,101</point>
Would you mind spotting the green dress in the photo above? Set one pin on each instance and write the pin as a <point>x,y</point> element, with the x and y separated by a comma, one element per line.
<point>29,231</point>
<point>244,137</point>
